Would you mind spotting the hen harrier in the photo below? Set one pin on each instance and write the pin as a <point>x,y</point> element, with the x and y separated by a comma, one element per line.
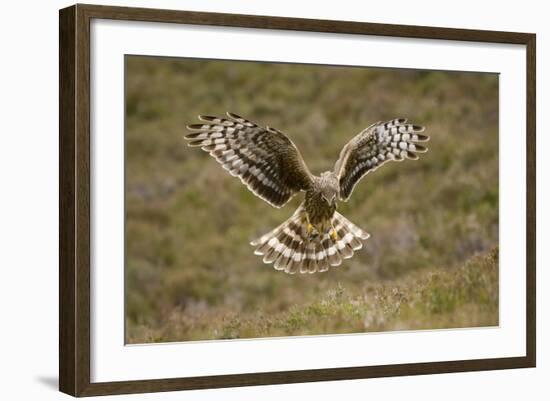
<point>316,236</point>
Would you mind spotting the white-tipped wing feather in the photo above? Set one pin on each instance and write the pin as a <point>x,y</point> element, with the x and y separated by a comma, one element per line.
<point>377,144</point>
<point>265,159</point>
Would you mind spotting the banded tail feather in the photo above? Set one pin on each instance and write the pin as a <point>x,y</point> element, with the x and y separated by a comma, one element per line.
<point>291,249</point>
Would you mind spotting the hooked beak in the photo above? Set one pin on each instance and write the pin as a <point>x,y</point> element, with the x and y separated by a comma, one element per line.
<point>330,201</point>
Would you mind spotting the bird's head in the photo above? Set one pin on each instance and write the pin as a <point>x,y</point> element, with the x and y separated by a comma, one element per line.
<point>329,187</point>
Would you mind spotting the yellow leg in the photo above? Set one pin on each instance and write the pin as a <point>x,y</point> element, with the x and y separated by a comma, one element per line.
<point>309,228</point>
<point>334,234</point>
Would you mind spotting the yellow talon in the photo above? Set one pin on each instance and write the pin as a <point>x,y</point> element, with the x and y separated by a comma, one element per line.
<point>334,235</point>
<point>309,228</point>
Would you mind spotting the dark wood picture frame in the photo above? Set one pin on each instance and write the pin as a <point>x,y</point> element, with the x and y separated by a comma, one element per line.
<point>74,199</point>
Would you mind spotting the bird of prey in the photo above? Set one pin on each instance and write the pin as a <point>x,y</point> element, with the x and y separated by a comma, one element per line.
<point>316,236</point>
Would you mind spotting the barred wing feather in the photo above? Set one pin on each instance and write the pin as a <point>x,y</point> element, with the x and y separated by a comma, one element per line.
<point>374,146</point>
<point>264,159</point>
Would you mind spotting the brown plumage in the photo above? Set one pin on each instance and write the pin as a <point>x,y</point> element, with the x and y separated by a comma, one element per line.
<point>315,237</point>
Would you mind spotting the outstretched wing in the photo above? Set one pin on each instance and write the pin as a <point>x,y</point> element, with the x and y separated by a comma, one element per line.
<point>265,159</point>
<point>374,146</point>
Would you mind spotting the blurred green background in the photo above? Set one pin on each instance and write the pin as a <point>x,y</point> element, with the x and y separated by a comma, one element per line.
<point>431,261</point>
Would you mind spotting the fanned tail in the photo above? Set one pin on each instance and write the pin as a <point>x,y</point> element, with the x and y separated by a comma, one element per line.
<point>291,249</point>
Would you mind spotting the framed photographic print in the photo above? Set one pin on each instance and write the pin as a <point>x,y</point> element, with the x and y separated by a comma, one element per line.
<point>251,200</point>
